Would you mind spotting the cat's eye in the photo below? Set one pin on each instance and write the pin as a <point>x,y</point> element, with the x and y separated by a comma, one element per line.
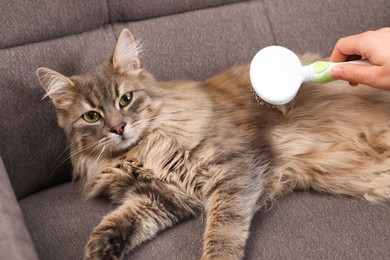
<point>91,116</point>
<point>126,99</point>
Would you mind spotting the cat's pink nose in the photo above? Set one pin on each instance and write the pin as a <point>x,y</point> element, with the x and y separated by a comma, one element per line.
<point>119,129</point>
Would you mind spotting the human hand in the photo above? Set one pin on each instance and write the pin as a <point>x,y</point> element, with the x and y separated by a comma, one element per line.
<point>373,45</point>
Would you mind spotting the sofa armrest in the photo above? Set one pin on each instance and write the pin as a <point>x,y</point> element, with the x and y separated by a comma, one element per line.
<point>15,240</point>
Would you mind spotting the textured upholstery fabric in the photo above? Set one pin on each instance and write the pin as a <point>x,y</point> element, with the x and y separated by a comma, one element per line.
<point>125,11</point>
<point>314,26</point>
<point>23,21</point>
<point>317,226</point>
<point>180,39</point>
<point>62,224</point>
<point>15,240</point>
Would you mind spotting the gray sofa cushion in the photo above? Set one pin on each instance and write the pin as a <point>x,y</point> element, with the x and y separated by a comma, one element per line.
<point>33,21</point>
<point>316,25</point>
<point>15,240</point>
<point>60,220</point>
<point>309,225</point>
<point>125,11</point>
<point>25,22</point>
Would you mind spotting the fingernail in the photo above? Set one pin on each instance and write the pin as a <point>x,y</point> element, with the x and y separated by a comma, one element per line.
<point>337,72</point>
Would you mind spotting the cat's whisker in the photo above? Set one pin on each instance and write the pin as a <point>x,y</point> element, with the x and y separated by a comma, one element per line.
<point>101,152</point>
<point>63,152</point>
<point>101,143</point>
<point>77,151</point>
<point>61,155</point>
<point>66,158</point>
<point>96,147</point>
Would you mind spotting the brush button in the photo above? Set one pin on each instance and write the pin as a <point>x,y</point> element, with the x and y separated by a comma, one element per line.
<point>320,66</point>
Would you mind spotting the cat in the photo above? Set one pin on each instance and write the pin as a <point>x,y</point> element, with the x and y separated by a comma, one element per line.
<point>165,152</point>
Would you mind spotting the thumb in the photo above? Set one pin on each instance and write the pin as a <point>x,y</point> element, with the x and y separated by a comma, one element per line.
<point>355,73</point>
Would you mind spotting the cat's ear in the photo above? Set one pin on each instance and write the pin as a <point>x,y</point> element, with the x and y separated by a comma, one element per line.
<point>125,57</point>
<point>56,85</point>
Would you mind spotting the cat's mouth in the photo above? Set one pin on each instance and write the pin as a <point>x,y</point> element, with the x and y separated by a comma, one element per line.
<point>123,142</point>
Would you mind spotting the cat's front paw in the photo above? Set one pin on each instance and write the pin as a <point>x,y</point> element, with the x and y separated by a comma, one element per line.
<point>109,181</point>
<point>105,243</point>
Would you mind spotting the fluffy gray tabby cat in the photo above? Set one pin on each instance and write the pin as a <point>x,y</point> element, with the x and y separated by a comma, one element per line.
<point>168,151</point>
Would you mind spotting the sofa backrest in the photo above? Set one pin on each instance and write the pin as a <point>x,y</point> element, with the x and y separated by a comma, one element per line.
<point>180,39</point>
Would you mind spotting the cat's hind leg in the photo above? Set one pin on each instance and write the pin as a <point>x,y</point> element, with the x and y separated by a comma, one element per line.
<point>355,165</point>
<point>366,184</point>
<point>359,167</point>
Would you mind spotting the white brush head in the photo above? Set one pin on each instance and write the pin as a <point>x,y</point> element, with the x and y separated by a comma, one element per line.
<point>273,74</point>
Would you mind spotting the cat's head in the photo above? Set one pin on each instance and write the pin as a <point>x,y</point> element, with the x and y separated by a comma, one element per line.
<point>109,109</point>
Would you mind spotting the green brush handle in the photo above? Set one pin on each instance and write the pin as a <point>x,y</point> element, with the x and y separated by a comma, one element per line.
<point>321,70</point>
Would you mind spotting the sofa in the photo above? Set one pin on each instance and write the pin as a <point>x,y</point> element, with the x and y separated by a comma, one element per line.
<point>42,213</point>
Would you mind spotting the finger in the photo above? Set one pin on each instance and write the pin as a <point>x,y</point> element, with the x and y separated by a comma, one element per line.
<point>347,46</point>
<point>357,73</point>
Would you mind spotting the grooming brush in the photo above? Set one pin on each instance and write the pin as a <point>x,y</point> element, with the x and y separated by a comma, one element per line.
<point>276,74</point>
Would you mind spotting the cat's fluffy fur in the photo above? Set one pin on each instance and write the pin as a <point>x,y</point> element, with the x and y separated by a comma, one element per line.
<point>180,148</point>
